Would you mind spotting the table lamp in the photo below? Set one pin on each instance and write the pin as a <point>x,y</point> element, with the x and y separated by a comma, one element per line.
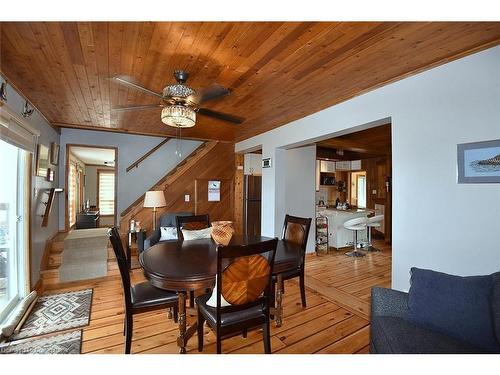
<point>154,199</point>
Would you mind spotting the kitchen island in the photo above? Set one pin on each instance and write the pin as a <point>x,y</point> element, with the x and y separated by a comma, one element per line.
<point>338,236</point>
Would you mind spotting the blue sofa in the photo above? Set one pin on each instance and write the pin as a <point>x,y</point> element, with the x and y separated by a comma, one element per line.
<point>441,313</point>
<point>166,220</point>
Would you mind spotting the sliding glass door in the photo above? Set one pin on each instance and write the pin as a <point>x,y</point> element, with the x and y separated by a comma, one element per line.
<point>12,227</point>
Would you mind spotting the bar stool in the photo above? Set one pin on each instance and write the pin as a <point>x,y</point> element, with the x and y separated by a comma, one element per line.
<point>355,225</point>
<point>373,222</point>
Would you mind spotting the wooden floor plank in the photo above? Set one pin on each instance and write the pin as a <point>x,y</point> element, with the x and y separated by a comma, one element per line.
<point>336,319</point>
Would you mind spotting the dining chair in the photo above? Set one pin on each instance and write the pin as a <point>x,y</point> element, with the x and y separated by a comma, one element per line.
<point>245,273</point>
<point>295,230</point>
<point>193,222</point>
<point>140,297</point>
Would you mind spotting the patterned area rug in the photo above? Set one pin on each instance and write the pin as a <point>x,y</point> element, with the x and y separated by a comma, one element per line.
<point>66,343</point>
<point>57,312</point>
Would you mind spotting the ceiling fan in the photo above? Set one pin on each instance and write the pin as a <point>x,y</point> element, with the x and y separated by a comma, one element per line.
<point>180,103</point>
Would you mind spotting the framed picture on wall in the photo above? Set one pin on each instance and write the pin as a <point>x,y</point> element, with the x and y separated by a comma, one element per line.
<point>54,153</point>
<point>479,162</point>
<point>42,160</point>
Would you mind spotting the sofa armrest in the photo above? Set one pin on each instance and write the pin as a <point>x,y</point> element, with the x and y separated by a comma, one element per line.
<point>389,302</point>
<point>152,239</point>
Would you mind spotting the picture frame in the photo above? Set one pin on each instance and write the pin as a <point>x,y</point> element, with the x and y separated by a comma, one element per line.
<point>478,162</point>
<point>50,174</point>
<point>42,160</point>
<point>54,153</point>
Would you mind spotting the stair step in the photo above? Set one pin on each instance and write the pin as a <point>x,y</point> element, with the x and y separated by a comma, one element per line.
<point>57,247</point>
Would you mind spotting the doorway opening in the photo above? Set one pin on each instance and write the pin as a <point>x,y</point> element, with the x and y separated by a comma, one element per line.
<point>252,193</point>
<point>91,187</point>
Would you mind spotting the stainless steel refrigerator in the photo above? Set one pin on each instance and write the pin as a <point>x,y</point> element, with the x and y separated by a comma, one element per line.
<point>252,205</point>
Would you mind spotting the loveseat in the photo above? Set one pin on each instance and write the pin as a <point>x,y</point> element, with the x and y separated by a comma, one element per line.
<point>166,220</point>
<point>440,314</point>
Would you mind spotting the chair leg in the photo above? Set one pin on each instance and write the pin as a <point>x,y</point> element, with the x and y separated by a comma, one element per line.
<point>219,345</point>
<point>244,333</point>
<point>302,288</point>
<point>201,321</point>
<point>219,341</point>
<point>191,298</point>
<point>272,299</point>
<point>128,333</point>
<point>267,337</point>
<point>176,314</point>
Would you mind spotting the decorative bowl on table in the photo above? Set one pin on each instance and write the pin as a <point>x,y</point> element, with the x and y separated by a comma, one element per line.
<point>222,232</point>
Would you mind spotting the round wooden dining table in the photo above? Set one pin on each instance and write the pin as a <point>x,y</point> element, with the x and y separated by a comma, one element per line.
<point>185,266</point>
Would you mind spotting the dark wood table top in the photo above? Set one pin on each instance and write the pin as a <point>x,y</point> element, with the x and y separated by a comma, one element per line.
<point>192,265</point>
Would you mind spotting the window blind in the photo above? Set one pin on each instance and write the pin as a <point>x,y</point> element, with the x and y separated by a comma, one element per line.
<point>106,198</point>
<point>16,133</point>
<point>72,194</point>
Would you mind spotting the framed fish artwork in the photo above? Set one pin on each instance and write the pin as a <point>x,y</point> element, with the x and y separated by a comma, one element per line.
<point>478,162</point>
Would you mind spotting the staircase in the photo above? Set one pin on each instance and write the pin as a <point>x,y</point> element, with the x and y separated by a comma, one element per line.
<point>167,180</point>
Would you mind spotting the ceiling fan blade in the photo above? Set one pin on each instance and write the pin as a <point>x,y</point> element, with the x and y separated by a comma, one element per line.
<point>133,85</point>
<point>220,115</point>
<point>136,107</point>
<point>209,93</point>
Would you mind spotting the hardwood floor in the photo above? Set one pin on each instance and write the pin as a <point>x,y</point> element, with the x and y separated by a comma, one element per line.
<point>335,320</point>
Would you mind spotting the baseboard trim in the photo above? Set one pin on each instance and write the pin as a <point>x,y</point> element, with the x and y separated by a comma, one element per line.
<point>39,286</point>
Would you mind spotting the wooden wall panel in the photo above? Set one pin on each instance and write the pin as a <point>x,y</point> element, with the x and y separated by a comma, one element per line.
<point>278,71</point>
<point>217,164</point>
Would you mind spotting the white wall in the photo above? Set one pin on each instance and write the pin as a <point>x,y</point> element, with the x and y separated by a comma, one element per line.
<point>131,185</point>
<point>437,223</point>
<point>39,234</point>
<point>299,188</point>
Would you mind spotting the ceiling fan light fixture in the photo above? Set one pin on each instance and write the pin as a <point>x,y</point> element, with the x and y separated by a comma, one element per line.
<point>178,91</point>
<point>178,116</point>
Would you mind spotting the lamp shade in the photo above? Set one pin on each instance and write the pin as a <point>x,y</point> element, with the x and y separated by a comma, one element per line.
<point>155,198</point>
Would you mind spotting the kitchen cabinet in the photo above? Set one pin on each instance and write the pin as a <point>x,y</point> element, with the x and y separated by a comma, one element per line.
<point>252,164</point>
<point>355,165</point>
<point>343,165</point>
<point>327,166</point>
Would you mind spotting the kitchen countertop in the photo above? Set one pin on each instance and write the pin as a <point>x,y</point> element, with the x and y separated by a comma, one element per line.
<point>350,210</point>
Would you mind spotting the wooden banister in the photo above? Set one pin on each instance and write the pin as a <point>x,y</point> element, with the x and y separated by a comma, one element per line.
<point>147,154</point>
<point>48,204</point>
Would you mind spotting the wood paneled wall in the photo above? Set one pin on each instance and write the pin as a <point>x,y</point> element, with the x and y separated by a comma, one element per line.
<point>378,170</point>
<point>218,164</point>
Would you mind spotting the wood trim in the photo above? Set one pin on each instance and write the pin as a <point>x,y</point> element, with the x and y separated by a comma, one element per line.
<point>68,146</point>
<point>146,155</point>
<point>127,131</point>
<point>44,262</point>
<point>239,179</point>
<point>39,287</point>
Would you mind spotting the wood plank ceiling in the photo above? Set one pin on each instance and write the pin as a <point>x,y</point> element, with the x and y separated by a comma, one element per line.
<point>278,72</point>
<point>364,144</point>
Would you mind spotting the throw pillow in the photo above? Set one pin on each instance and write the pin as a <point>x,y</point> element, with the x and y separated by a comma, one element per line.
<point>196,234</point>
<point>453,305</point>
<point>168,233</point>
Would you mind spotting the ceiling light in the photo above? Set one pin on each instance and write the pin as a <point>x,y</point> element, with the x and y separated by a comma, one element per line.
<point>178,116</point>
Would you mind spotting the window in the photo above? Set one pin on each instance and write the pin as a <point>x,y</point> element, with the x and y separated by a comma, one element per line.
<point>106,192</point>
<point>72,194</point>
<point>13,227</point>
